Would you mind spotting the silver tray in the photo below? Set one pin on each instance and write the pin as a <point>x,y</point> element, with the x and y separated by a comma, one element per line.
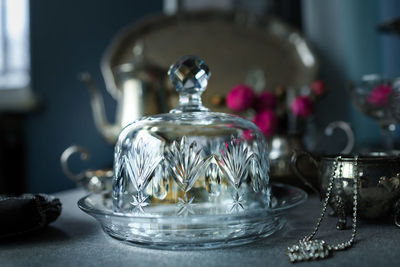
<point>195,231</point>
<point>233,43</point>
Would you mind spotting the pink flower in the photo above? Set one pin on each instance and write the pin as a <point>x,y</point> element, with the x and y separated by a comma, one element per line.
<point>379,96</point>
<point>266,122</point>
<point>302,106</point>
<point>240,97</point>
<point>318,87</point>
<point>266,100</point>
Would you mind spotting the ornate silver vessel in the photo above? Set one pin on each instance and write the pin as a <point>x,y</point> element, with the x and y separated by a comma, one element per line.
<point>379,192</point>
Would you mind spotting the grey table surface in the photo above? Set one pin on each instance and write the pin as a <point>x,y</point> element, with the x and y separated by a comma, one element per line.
<point>76,239</point>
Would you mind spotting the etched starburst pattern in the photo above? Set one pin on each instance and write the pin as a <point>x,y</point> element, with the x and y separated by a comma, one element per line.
<point>213,173</point>
<point>185,206</point>
<point>185,163</point>
<point>139,202</point>
<point>237,204</point>
<point>212,179</point>
<point>234,161</point>
<point>259,170</point>
<point>119,183</point>
<point>140,163</point>
<point>160,181</point>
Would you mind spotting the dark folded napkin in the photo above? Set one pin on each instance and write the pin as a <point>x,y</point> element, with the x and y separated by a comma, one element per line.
<point>27,213</point>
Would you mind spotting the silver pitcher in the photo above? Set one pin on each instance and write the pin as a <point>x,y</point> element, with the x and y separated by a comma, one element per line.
<point>379,193</point>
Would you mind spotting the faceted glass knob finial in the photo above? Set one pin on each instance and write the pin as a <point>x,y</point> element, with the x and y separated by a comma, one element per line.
<point>189,74</point>
<point>190,77</point>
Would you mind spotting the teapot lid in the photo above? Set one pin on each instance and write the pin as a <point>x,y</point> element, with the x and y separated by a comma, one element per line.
<point>190,155</point>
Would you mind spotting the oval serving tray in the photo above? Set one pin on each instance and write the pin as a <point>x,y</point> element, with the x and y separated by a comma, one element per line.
<point>233,43</point>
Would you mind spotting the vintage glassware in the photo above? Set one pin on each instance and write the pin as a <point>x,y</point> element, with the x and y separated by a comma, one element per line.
<point>373,96</point>
<point>190,156</point>
<point>191,178</point>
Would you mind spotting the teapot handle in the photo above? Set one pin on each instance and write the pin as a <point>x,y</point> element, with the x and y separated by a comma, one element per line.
<point>294,166</point>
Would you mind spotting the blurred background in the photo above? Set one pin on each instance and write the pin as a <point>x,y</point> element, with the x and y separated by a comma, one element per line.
<point>46,45</point>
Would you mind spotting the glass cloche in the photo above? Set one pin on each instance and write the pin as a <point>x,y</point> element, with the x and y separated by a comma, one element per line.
<point>191,178</point>
<point>190,161</point>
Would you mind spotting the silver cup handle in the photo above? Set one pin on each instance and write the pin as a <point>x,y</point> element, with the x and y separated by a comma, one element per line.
<point>84,154</point>
<point>345,126</point>
<point>396,212</point>
<point>297,154</point>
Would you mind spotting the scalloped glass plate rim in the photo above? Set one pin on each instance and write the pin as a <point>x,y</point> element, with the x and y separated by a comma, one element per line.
<point>301,197</point>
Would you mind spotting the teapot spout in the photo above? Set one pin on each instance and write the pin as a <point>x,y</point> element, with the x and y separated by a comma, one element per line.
<point>108,131</point>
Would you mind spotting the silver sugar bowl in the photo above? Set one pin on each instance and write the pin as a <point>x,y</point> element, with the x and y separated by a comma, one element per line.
<point>96,181</point>
<point>379,193</point>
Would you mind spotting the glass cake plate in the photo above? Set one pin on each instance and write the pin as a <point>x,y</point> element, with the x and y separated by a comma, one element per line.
<point>196,231</point>
<point>191,178</point>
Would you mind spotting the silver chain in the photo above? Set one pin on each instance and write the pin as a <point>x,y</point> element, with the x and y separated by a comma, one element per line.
<point>309,249</point>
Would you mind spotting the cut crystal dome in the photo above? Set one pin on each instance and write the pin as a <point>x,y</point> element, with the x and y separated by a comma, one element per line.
<point>190,161</point>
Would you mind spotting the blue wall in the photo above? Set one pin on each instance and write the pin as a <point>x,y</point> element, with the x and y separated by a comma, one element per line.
<point>345,37</point>
<point>390,43</point>
<point>69,37</point>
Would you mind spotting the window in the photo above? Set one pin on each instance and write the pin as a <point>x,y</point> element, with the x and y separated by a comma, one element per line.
<point>14,44</point>
<point>14,55</point>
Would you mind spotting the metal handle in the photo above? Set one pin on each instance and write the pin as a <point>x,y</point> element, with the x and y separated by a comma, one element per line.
<point>397,213</point>
<point>64,162</point>
<point>348,132</point>
<point>294,166</point>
